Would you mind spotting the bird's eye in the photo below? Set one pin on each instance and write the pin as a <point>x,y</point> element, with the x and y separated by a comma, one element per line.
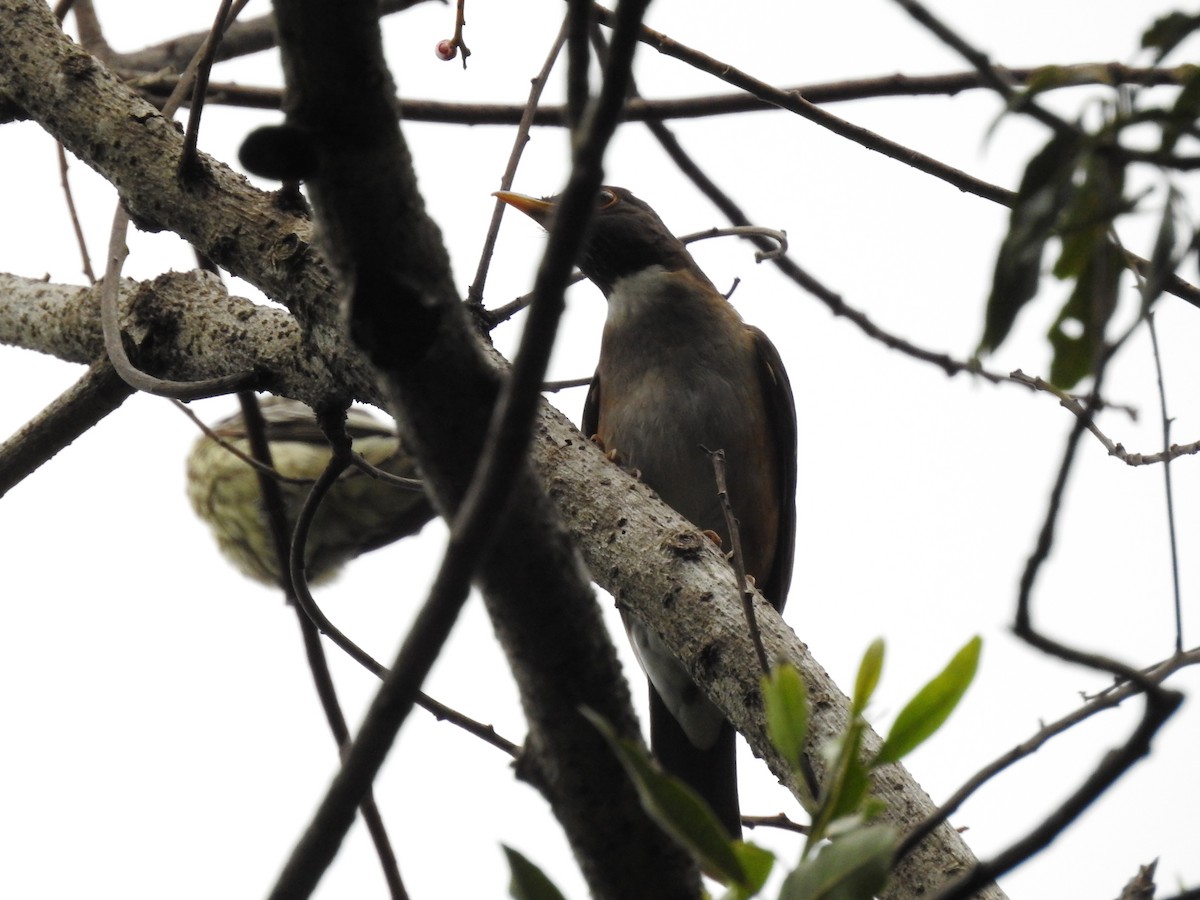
<point>605,198</point>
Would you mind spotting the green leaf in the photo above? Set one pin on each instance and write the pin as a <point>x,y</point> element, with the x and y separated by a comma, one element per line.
<point>787,712</point>
<point>1077,335</point>
<point>757,864</point>
<point>847,783</point>
<point>869,671</point>
<point>1046,188</point>
<point>851,786</point>
<point>1181,118</point>
<point>1168,32</point>
<point>676,808</point>
<point>528,882</point>
<point>926,712</point>
<point>853,867</point>
<point>1163,260</point>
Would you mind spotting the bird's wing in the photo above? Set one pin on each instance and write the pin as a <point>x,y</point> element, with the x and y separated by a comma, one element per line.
<point>590,423</point>
<point>781,408</point>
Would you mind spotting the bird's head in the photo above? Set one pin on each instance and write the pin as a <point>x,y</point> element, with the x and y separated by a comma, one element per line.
<point>625,237</point>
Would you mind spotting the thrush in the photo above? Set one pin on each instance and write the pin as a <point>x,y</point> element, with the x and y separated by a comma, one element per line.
<point>358,513</point>
<point>681,374</point>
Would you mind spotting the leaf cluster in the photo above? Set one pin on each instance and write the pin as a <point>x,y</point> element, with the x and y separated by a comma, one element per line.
<point>1073,194</point>
<point>846,854</point>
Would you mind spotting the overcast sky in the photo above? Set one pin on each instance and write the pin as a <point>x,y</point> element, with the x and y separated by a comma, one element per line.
<point>163,738</point>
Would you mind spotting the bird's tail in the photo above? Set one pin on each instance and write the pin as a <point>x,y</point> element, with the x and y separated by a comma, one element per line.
<point>711,772</point>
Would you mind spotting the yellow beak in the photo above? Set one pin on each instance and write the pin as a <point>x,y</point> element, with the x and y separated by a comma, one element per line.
<point>538,210</point>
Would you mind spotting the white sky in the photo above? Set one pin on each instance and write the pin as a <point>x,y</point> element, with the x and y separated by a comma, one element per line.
<point>163,738</point>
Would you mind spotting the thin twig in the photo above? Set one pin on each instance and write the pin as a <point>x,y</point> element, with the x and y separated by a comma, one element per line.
<point>744,231</point>
<point>91,35</point>
<point>491,485</point>
<point>779,820</point>
<point>794,102</point>
<point>225,18</point>
<point>1108,699</point>
<point>475,292</point>
<point>738,560</point>
<point>555,386</point>
<point>998,79</point>
<point>276,515</point>
<point>110,300</point>
<point>114,345</point>
<point>306,602</point>
<point>86,402</point>
<point>1072,404</point>
<point>797,104</point>
<point>367,468</point>
<point>70,198</point>
<point>1166,433</point>
<point>494,317</point>
<point>338,463</point>
<point>1160,703</point>
<point>242,39</point>
<point>229,447</point>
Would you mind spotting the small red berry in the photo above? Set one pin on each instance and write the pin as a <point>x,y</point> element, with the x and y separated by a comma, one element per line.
<point>446,50</point>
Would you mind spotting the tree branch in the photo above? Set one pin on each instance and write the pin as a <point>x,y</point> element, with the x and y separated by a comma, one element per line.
<point>625,535</point>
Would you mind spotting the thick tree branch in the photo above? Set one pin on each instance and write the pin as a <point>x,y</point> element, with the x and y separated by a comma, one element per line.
<point>245,232</point>
<point>404,312</point>
<point>947,84</point>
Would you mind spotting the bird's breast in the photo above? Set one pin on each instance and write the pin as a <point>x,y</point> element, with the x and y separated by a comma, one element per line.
<point>679,378</point>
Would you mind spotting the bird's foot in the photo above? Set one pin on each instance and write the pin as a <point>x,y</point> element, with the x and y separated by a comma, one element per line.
<point>614,456</point>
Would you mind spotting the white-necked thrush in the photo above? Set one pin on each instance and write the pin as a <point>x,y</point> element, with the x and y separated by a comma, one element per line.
<point>680,375</point>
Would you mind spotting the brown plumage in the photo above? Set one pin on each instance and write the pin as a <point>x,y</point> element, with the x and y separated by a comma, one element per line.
<point>681,374</point>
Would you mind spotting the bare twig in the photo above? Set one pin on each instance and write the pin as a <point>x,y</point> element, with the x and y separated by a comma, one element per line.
<point>90,399</point>
<point>110,319</point>
<point>1160,703</point>
<point>295,547</point>
<point>1166,433</point>
<point>91,35</point>
<point>555,386</point>
<point>779,237</point>
<point>154,81</point>
<point>779,820</point>
<point>70,198</point>
<point>475,292</point>
<point>794,102</point>
<point>276,515</point>
<point>408,484</point>
<point>110,296</point>
<point>998,79</point>
<point>1072,404</point>
<point>241,39</point>
<point>1108,699</point>
<point>203,67</point>
<point>738,560</point>
<point>474,523</point>
<point>460,20</point>
<point>249,460</point>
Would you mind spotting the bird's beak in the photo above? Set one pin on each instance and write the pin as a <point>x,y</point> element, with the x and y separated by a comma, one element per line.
<point>538,210</point>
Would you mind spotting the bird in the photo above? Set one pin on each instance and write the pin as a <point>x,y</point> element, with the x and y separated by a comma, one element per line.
<point>360,513</point>
<point>681,374</point>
